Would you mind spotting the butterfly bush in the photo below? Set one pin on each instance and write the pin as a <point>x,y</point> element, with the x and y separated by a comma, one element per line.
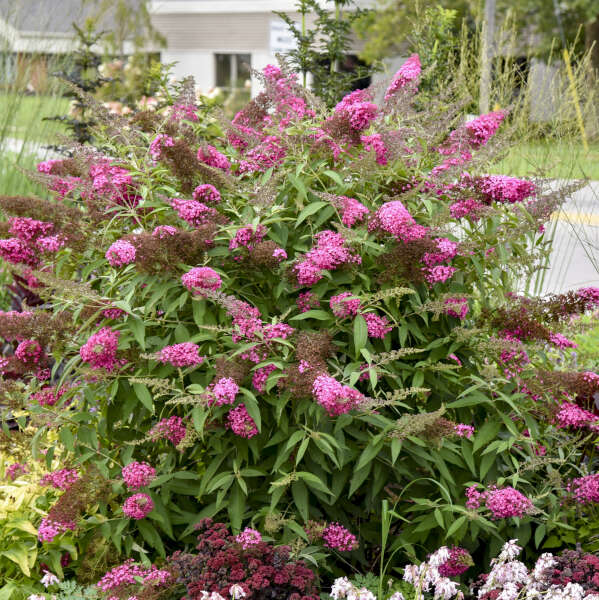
<point>291,317</point>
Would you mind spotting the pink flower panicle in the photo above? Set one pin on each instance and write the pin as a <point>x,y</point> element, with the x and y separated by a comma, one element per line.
<point>121,253</point>
<point>138,506</point>
<point>462,430</point>
<point>248,237</point>
<point>240,422</point>
<point>248,537</point>
<point>337,537</point>
<point>206,193</point>
<point>49,529</point>
<point>125,575</point>
<point>138,474</point>
<point>307,301</point>
<point>48,396</point>
<point>408,73</point>
<point>163,231</point>
<point>185,354</point>
<point>438,274</point>
<point>100,349</point>
<point>457,307</point>
<point>29,352</point>
<point>191,211</point>
<point>459,562</point>
<point>507,502</point>
<point>172,429</point>
<point>466,208</point>
<point>585,490</point>
<point>328,254</point>
<point>27,229</point>
<point>572,415</point>
<point>187,112</point>
<point>260,376</point>
<point>378,327</point>
<point>352,211</point>
<point>335,397</point>
<point>483,128</point>
<point>223,391</point>
<point>561,341</point>
<point>345,305</point>
<point>394,218</point>
<point>504,189</point>
<point>213,158</point>
<point>269,153</point>
<point>201,279</point>
<point>61,479</point>
<point>158,143</point>
<point>374,143</point>
<point>13,471</point>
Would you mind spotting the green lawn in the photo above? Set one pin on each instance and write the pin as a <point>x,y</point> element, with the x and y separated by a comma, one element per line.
<point>561,159</point>
<point>22,116</point>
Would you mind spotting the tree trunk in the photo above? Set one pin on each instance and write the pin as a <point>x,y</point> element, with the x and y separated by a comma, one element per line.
<point>591,38</point>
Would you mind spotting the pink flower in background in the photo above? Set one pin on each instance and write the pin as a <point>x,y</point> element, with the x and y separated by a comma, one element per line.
<point>335,397</point>
<point>483,128</point>
<point>49,529</point>
<point>378,327</point>
<point>561,341</point>
<point>438,274</point>
<point>572,415</point>
<point>138,506</point>
<point>585,490</point>
<point>192,212</point>
<point>408,73</point>
<point>127,574</point>
<point>240,422</point>
<point>459,562</point>
<point>465,208</point>
<point>61,479</point>
<point>507,502</point>
<point>180,112</point>
<point>328,254</point>
<point>260,376</point>
<point>374,143</point>
<point>172,429</point>
<point>248,537</point>
<point>345,305</point>
<point>394,218</point>
<point>211,156</point>
<point>201,279</point>
<point>29,352</point>
<point>158,143</point>
<point>16,251</point>
<point>337,537</point>
<point>121,253</point>
<point>206,193</point>
<point>503,188</point>
<point>163,231</point>
<point>352,211</point>
<point>279,254</point>
<point>13,471</point>
<point>248,237</point>
<point>138,474</point>
<point>51,243</point>
<point>462,430</point>
<point>100,349</point>
<point>269,153</point>
<point>223,391</point>
<point>27,229</point>
<point>185,354</point>
<point>457,307</point>
<point>307,301</point>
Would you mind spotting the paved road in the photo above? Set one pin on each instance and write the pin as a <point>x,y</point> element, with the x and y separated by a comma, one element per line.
<point>574,260</point>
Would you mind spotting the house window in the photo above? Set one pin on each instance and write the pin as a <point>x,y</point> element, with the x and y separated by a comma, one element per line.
<point>232,70</point>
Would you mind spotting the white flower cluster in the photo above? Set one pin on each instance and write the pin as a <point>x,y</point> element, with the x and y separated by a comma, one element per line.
<point>235,590</point>
<point>344,588</point>
<point>515,582</point>
<point>425,577</point>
